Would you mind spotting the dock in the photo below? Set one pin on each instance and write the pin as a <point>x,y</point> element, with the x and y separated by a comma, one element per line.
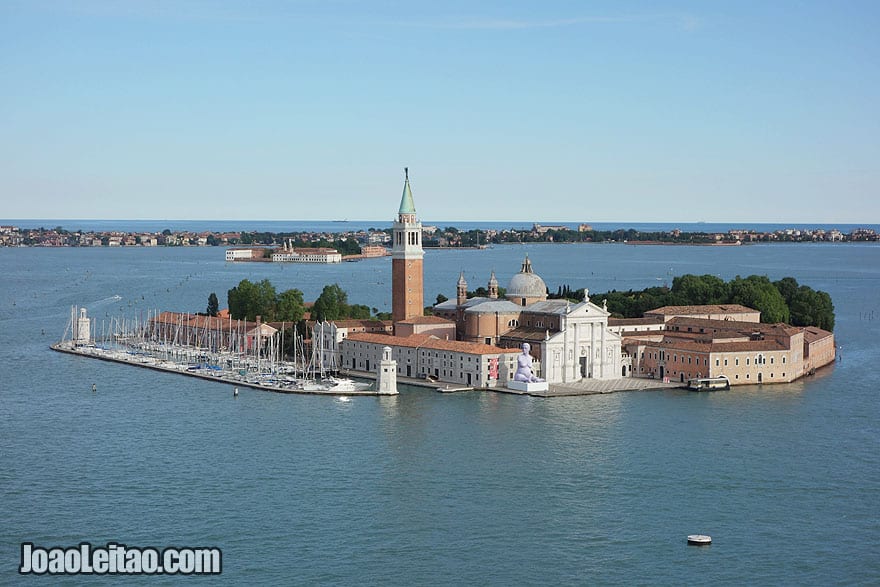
<point>453,388</point>
<point>94,352</point>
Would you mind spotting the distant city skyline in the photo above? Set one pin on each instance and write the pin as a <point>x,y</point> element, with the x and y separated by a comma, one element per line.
<point>503,111</point>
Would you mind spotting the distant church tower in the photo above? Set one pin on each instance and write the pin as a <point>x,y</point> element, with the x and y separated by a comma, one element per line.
<point>493,286</point>
<point>461,290</point>
<point>406,260</point>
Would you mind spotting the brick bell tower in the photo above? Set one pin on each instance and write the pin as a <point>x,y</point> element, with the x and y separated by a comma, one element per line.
<point>407,288</point>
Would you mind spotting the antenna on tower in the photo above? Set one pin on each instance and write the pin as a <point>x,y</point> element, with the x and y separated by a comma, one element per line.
<point>406,173</point>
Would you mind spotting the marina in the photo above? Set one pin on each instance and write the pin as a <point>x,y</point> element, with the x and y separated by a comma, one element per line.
<point>327,386</point>
<point>249,356</point>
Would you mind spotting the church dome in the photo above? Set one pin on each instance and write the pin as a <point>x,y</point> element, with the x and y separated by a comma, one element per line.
<point>527,284</point>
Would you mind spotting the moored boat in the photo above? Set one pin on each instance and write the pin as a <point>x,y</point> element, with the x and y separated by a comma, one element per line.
<point>708,383</point>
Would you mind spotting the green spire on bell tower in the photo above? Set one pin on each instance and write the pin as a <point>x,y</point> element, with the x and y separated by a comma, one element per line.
<point>407,206</point>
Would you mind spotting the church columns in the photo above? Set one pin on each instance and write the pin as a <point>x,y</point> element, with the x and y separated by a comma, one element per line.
<point>592,361</point>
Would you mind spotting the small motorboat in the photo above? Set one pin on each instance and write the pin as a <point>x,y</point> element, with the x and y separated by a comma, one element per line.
<point>699,539</point>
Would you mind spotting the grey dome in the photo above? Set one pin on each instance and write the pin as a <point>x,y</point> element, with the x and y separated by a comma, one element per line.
<point>526,284</point>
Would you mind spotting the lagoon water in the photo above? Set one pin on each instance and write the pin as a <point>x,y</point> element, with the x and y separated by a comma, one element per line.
<point>428,488</point>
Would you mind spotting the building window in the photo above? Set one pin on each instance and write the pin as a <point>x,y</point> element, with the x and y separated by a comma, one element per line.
<point>725,362</point>
<point>771,362</point>
<point>717,362</point>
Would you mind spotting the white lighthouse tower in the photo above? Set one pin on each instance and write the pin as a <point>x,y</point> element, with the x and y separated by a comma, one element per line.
<point>386,384</point>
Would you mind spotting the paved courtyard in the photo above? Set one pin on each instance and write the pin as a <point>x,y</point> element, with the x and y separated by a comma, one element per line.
<point>594,386</point>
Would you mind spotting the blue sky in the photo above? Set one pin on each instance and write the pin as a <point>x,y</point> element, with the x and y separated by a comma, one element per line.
<point>577,111</point>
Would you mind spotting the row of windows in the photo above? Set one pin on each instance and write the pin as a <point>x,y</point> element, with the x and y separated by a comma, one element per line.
<point>748,375</point>
<point>759,360</point>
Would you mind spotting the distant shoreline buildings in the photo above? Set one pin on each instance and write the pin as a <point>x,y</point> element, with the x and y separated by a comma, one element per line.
<point>432,237</point>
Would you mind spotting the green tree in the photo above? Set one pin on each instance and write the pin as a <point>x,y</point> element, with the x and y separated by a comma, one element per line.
<point>812,308</point>
<point>290,306</point>
<point>213,304</point>
<point>359,312</point>
<point>694,290</point>
<point>238,299</point>
<point>348,246</point>
<point>756,291</point>
<point>267,300</point>
<point>440,298</point>
<point>332,304</point>
<point>248,300</point>
<point>787,287</point>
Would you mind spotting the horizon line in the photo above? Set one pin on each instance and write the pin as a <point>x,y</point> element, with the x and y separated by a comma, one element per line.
<point>361,220</point>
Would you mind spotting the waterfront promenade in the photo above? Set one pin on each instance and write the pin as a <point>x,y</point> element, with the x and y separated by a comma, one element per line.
<point>584,387</point>
<point>596,386</point>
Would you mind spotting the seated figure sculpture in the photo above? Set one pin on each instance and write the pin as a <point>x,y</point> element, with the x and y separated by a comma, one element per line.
<point>524,366</point>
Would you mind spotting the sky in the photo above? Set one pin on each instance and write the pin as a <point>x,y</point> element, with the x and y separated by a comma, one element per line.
<point>579,111</point>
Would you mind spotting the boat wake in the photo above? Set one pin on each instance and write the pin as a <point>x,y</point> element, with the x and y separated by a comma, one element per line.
<point>110,300</point>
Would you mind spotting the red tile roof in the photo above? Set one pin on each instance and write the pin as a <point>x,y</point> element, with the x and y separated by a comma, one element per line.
<point>426,320</point>
<point>634,321</point>
<point>812,334</point>
<point>428,341</point>
<point>707,309</point>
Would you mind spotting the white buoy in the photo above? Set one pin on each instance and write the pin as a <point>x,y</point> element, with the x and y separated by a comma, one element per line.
<point>235,392</point>
<point>699,539</point>
<point>94,387</point>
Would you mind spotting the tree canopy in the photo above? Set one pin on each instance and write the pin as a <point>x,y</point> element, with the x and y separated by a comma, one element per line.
<point>332,304</point>
<point>248,300</point>
<point>213,304</point>
<point>759,293</point>
<point>290,306</point>
<point>780,301</point>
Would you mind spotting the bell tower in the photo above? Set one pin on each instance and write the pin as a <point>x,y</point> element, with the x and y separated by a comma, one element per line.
<point>406,259</point>
<point>493,286</point>
<point>461,290</point>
